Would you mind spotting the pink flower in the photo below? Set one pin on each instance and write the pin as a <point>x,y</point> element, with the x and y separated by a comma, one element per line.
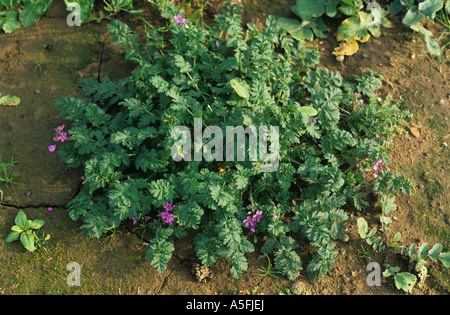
<point>217,43</point>
<point>179,19</point>
<point>52,148</point>
<point>50,209</point>
<point>374,175</point>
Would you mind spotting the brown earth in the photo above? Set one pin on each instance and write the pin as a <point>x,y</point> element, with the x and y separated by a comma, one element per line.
<point>116,264</point>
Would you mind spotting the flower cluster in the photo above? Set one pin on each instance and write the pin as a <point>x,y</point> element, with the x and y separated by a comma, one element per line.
<point>375,168</point>
<point>61,135</point>
<point>357,101</point>
<point>250,221</point>
<point>180,20</point>
<point>165,215</point>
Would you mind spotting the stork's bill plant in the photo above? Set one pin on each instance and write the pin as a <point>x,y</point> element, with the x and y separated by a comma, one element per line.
<point>330,131</point>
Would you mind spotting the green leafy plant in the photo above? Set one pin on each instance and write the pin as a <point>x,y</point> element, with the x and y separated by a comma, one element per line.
<point>15,13</point>
<point>269,270</point>
<point>24,13</point>
<point>6,174</point>
<point>361,19</point>
<point>122,134</point>
<point>370,238</point>
<point>26,230</point>
<point>111,7</point>
<point>404,280</point>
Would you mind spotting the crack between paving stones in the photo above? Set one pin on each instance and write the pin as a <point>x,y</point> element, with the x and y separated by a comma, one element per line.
<point>41,205</point>
<point>101,59</point>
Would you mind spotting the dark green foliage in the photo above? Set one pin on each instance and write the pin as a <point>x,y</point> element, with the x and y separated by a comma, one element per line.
<point>121,135</point>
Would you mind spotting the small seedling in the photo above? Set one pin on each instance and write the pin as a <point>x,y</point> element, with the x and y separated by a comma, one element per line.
<point>26,230</point>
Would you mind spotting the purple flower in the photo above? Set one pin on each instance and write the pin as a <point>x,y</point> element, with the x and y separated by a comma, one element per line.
<point>60,134</point>
<point>50,209</point>
<point>179,19</point>
<point>274,216</point>
<point>309,99</point>
<point>258,215</point>
<point>52,148</point>
<point>168,206</point>
<point>217,43</point>
<point>314,120</point>
<point>248,221</point>
<point>374,175</point>
<point>167,217</point>
<point>133,220</point>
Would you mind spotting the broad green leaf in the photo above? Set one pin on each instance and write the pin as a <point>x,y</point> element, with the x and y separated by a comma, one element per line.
<point>390,271</point>
<point>434,252</point>
<point>240,89</point>
<point>432,45</point>
<point>413,16</point>
<point>362,227</point>
<point>32,11</point>
<point>388,205</point>
<point>21,220</point>
<point>351,29</point>
<point>405,281</point>
<point>37,224</point>
<point>305,30</point>
<point>16,228</point>
<point>14,235</point>
<point>308,110</point>
<point>10,23</point>
<point>430,7</point>
<point>395,7</point>
<point>445,259</point>
<point>27,240</point>
<point>397,237</point>
<point>423,250</point>
<point>307,9</point>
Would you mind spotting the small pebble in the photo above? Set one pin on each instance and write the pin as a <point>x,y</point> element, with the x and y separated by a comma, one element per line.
<point>37,91</point>
<point>442,101</point>
<point>340,58</point>
<point>365,56</point>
